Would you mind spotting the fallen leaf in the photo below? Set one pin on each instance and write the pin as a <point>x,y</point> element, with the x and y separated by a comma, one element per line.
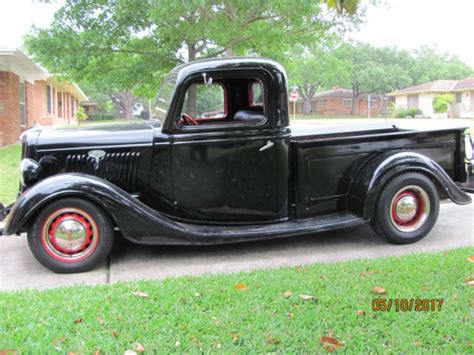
<point>115,334</point>
<point>140,294</point>
<point>77,321</point>
<point>469,344</point>
<point>63,339</point>
<point>330,343</point>
<point>309,298</point>
<point>469,278</point>
<point>287,294</point>
<point>177,344</point>
<point>139,348</point>
<point>471,258</point>
<point>378,290</point>
<point>361,312</point>
<point>367,273</point>
<point>470,283</point>
<point>198,294</point>
<point>235,336</point>
<point>7,352</point>
<point>129,352</point>
<point>291,315</point>
<point>196,341</point>
<point>241,287</point>
<point>271,340</point>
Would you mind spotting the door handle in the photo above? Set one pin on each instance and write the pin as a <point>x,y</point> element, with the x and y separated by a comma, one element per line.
<point>266,146</point>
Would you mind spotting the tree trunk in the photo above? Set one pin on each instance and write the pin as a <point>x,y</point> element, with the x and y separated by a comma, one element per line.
<point>191,108</point>
<point>123,102</point>
<point>306,93</point>
<point>306,106</point>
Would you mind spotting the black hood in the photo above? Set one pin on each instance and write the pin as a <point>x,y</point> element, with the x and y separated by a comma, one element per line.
<point>97,136</point>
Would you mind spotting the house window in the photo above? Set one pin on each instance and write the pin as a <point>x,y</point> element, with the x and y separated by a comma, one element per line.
<point>22,104</point>
<point>347,102</point>
<point>322,102</point>
<point>48,99</point>
<point>72,106</point>
<point>458,97</point>
<point>412,101</point>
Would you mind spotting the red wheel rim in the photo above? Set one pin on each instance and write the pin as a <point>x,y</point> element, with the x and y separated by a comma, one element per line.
<point>410,208</point>
<point>69,235</point>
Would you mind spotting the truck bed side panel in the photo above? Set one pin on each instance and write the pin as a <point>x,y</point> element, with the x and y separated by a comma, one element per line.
<point>326,167</point>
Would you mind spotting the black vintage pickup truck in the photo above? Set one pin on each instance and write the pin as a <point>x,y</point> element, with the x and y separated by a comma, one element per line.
<point>219,163</point>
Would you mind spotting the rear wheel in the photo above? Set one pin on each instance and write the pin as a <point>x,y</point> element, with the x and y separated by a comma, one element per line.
<point>71,235</point>
<point>407,209</point>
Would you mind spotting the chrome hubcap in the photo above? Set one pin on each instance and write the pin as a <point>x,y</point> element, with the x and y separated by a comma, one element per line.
<point>406,208</point>
<point>410,208</point>
<point>70,235</point>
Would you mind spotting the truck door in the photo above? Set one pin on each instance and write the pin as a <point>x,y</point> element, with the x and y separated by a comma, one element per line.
<point>229,164</point>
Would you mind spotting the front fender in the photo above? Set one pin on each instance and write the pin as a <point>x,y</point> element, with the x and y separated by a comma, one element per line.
<point>134,218</point>
<point>373,176</point>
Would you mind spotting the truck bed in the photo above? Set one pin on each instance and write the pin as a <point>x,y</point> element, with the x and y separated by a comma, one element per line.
<point>326,159</point>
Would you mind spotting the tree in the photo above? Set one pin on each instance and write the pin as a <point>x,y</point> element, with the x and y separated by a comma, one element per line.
<point>430,65</point>
<point>310,70</point>
<point>127,45</point>
<point>371,69</point>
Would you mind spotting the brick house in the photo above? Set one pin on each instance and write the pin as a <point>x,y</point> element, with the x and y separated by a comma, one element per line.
<point>29,95</point>
<point>338,102</point>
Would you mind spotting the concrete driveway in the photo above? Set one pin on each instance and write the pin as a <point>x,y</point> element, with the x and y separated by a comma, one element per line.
<point>19,269</point>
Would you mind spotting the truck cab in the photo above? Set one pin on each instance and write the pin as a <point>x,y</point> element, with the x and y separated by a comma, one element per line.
<point>227,126</point>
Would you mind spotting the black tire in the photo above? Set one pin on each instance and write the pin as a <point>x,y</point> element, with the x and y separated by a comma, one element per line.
<point>93,228</point>
<point>405,191</point>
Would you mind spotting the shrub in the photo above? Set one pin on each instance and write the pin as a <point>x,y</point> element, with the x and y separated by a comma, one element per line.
<point>400,112</point>
<point>441,102</point>
<point>81,115</point>
<point>101,116</point>
<point>412,112</point>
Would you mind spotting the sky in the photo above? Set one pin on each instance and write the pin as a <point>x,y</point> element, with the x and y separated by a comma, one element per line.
<point>447,25</point>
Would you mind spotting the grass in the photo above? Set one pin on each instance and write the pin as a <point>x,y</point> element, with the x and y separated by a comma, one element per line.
<point>208,314</point>
<point>9,173</point>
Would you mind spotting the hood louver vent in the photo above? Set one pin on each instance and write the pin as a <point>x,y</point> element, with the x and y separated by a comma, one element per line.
<point>118,168</point>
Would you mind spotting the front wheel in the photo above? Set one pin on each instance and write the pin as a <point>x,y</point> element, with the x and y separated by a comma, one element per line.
<point>407,209</point>
<point>71,235</point>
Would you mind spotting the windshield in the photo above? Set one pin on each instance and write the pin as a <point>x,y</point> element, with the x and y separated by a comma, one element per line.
<point>163,100</point>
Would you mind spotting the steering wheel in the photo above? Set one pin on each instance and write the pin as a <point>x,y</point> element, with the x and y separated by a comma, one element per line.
<point>189,120</point>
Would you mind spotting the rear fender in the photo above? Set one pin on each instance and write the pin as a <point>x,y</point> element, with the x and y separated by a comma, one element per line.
<point>373,176</point>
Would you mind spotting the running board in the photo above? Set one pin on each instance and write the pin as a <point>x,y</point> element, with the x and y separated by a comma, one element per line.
<point>223,234</point>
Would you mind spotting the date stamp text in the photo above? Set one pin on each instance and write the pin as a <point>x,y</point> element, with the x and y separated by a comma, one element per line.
<point>407,304</point>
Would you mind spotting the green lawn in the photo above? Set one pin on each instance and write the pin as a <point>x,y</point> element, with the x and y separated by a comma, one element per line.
<point>208,314</point>
<point>9,173</point>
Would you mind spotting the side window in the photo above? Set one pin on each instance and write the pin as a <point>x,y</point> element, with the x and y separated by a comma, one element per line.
<point>256,94</point>
<point>205,101</point>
